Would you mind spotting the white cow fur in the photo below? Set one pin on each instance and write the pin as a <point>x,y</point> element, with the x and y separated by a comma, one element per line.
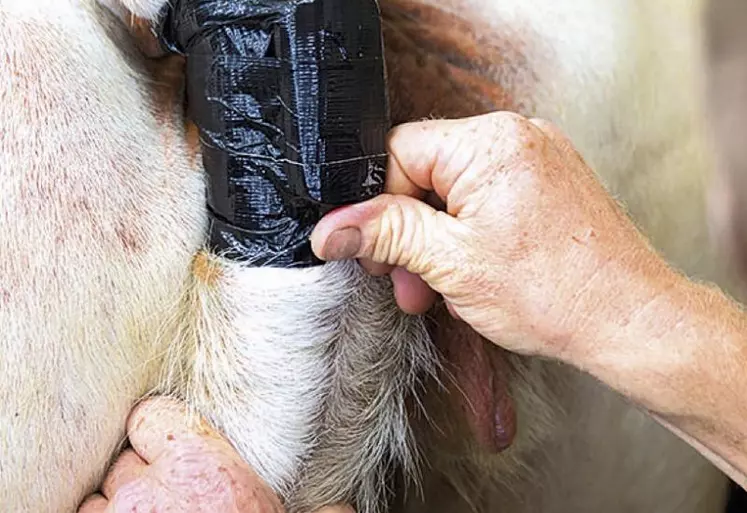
<point>308,372</point>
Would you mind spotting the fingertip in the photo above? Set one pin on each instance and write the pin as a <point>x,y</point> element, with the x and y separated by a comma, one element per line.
<point>413,295</point>
<point>356,231</point>
<point>348,217</point>
<point>154,424</point>
<point>339,234</point>
<point>413,152</point>
<point>94,504</point>
<point>323,229</point>
<point>161,407</point>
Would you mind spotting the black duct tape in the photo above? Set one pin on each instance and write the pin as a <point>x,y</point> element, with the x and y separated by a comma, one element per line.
<point>291,103</point>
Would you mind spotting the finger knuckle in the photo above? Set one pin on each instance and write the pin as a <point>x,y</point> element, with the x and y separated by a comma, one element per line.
<point>541,122</point>
<point>401,235</point>
<point>504,118</point>
<point>505,122</point>
<point>514,134</point>
<point>397,137</point>
<point>387,247</point>
<point>455,155</point>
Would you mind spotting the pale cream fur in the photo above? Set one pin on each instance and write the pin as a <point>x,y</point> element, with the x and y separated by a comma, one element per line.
<point>308,372</point>
<point>94,184</point>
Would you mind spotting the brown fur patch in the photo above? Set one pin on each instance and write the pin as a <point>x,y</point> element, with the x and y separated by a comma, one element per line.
<point>194,149</point>
<point>447,65</point>
<point>206,269</point>
<point>142,32</point>
<point>167,78</point>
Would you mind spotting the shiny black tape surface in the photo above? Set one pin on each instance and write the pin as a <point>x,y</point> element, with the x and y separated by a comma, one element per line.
<point>291,103</point>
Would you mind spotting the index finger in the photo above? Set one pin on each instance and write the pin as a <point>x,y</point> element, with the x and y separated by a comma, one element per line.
<point>407,170</point>
<point>413,153</point>
<point>403,160</point>
<point>433,155</point>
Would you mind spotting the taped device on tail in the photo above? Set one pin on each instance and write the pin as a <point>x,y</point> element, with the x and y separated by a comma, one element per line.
<point>291,103</point>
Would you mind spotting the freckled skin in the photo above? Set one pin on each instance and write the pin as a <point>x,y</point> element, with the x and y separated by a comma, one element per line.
<point>673,346</point>
<point>185,467</point>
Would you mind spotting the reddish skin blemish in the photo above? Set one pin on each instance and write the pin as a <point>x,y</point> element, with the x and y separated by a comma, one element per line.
<point>128,238</point>
<point>81,206</point>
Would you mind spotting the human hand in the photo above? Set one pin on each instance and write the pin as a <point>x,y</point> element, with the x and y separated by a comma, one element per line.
<point>531,250</point>
<point>178,466</point>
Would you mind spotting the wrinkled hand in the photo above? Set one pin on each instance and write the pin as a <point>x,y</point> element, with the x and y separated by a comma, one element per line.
<point>530,246</point>
<point>178,466</point>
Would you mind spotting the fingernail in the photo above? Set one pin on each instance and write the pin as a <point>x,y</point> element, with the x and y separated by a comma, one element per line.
<point>343,244</point>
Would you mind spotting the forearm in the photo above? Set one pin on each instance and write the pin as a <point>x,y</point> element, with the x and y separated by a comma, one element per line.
<point>680,352</point>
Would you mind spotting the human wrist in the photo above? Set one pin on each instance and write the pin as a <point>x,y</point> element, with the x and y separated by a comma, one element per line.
<point>670,346</point>
<point>607,288</point>
<point>635,302</point>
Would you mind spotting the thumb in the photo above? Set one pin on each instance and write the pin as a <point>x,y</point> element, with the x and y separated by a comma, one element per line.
<point>394,230</point>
